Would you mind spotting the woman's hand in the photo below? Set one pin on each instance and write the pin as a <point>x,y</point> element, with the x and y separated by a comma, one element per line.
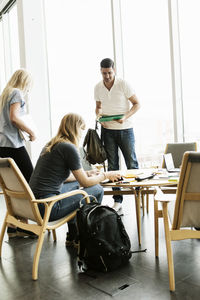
<point>121,121</point>
<point>113,175</point>
<point>32,136</point>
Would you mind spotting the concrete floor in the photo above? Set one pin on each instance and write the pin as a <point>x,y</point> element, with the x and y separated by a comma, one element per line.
<point>59,277</point>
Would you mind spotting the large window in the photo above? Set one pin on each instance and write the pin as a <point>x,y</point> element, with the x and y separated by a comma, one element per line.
<point>2,61</point>
<point>189,24</point>
<point>79,35</point>
<point>147,68</point>
<point>14,38</point>
<point>9,44</point>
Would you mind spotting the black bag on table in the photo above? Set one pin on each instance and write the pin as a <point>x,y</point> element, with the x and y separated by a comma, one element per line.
<point>104,244</point>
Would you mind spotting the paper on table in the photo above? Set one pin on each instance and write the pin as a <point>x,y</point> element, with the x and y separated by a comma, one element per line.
<point>130,175</point>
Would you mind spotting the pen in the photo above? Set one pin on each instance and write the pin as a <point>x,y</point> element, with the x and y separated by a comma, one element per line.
<point>119,182</point>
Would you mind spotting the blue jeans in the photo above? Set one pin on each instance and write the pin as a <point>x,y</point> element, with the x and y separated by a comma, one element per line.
<point>68,205</point>
<point>125,141</point>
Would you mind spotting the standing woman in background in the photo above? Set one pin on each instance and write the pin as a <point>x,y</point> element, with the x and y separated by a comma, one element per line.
<point>12,108</point>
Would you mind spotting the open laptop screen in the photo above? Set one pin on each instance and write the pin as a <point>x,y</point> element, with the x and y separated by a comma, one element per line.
<point>170,163</point>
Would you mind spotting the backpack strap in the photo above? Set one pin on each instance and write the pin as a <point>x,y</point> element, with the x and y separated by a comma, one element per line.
<point>96,125</point>
<point>138,251</point>
<point>86,138</point>
<point>93,199</point>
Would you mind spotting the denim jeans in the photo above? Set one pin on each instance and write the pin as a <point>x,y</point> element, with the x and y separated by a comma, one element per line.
<point>68,205</point>
<point>125,141</point>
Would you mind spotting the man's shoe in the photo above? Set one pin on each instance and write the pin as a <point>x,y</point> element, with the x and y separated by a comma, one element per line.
<point>117,206</point>
<point>25,233</point>
<point>71,241</point>
<point>11,232</point>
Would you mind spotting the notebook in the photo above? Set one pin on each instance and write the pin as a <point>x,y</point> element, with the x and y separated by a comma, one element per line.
<point>170,163</point>
<point>110,118</point>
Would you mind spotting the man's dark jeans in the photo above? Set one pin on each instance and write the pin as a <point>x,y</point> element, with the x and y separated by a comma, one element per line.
<point>125,141</point>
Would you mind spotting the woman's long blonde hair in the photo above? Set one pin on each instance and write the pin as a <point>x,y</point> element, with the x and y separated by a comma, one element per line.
<point>21,79</point>
<point>69,131</point>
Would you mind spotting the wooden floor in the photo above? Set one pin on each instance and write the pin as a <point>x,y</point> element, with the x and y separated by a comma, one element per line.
<point>59,277</point>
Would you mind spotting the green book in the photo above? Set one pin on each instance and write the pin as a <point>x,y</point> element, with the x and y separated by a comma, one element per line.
<point>110,118</point>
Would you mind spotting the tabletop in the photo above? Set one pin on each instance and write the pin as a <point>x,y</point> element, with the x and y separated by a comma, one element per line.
<point>161,178</point>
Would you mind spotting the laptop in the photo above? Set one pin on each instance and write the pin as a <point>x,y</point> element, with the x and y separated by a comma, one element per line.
<point>170,163</point>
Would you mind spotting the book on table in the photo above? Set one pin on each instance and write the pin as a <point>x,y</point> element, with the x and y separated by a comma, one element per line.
<point>110,118</point>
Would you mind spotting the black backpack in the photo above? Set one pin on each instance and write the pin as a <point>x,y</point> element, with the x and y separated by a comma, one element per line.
<point>93,147</point>
<point>104,244</point>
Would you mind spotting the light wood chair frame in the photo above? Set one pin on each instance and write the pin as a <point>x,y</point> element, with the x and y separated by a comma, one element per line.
<point>174,232</point>
<point>167,190</point>
<point>40,225</point>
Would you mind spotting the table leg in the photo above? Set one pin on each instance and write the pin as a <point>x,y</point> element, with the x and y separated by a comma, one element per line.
<point>138,215</point>
<point>156,227</point>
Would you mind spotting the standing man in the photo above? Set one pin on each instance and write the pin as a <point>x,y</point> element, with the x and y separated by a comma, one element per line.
<point>114,96</point>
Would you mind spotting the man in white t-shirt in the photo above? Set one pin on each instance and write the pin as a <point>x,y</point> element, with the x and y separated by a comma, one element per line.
<point>114,96</point>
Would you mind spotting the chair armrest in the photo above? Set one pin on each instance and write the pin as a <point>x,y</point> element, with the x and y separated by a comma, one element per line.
<point>62,196</point>
<point>161,197</point>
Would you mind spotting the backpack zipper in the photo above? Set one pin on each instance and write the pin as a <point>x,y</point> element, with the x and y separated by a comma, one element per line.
<point>103,263</point>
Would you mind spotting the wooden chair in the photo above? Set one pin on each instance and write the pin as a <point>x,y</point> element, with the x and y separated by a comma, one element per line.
<point>21,204</point>
<point>181,210</point>
<point>177,150</point>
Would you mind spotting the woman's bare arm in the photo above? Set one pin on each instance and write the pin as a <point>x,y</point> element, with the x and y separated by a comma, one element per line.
<point>19,123</point>
<point>85,181</point>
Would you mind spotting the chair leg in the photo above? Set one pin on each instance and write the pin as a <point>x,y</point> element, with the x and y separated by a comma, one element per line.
<point>37,255</point>
<point>3,233</point>
<point>168,248</point>
<point>40,241</point>
<point>54,235</point>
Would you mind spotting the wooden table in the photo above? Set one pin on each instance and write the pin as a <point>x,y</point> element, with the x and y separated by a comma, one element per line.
<point>135,188</point>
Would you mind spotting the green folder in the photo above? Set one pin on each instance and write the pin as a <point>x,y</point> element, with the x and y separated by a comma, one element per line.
<point>110,118</point>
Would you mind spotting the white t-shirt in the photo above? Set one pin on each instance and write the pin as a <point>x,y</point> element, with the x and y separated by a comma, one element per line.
<point>115,101</point>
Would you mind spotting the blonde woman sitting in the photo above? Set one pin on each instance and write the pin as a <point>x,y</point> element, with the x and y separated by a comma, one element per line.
<point>59,170</point>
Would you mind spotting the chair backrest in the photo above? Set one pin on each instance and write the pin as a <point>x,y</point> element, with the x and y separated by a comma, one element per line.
<point>17,193</point>
<point>177,150</point>
<point>187,205</point>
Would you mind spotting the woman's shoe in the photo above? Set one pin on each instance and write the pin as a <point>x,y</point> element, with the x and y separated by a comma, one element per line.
<point>11,232</point>
<point>25,233</point>
<point>197,228</point>
<point>71,241</point>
